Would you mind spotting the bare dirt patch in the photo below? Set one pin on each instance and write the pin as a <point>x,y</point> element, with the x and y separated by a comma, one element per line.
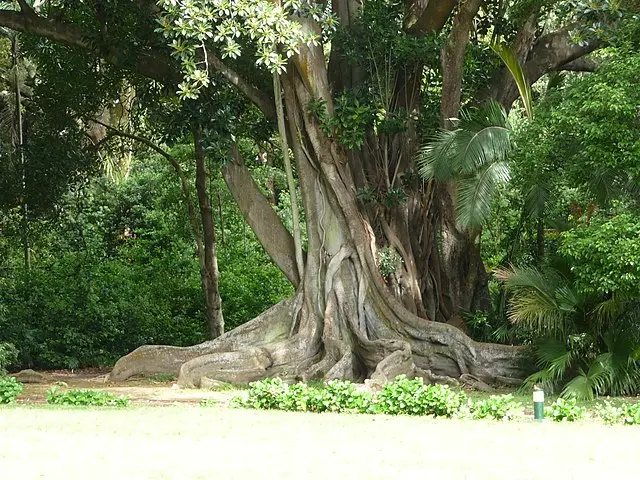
<point>141,391</point>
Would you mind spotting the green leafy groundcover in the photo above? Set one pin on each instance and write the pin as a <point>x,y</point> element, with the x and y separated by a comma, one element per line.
<point>10,388</point>
<point>80,397</point>
<point>412,397</point>
<point>401,397</point>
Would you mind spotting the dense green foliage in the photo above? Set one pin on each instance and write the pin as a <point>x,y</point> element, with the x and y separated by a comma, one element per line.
<point>566,234</point>
<point>89,398</point>
<point>10,388</point>
<point>400,397</point>
<point>115,268</point>
<point>605,255</point>
<point>8,356</point>
<point>565,410</point>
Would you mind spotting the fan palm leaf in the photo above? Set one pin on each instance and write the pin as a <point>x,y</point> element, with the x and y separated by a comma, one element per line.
<point>586,385</point>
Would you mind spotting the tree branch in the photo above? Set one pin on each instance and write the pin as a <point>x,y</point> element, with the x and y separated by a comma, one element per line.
<point>259,98</point>
<point>26,8</point>
<point>151,64</point>
<point>427,16</point>
<point>550,52</point>
<point>554,50</point>
<point>261,217</point>
<point>453,61</point>
<point>580,65</point>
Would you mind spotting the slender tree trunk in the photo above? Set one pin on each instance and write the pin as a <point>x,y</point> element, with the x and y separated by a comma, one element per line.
<point>209,268</point>
<point>19,147</point>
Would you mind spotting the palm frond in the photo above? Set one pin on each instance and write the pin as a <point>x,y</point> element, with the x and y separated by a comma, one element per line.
<point>553,354</point>
<point>516,279</point>
<point>509,58</point>
<point>475,195</point>
<point>586,385</point>
<point>475,154</point>
<point>603,183</point>
<point>607,311</point>
<point>476,149</point>
<point>436,158</point>
<point>534,299</point>
<point>568,300</point>
<point>543,378</point>
<point>536,200</point>
<point>554,359</point>
<point>492,114</point>
<point>624,373</point>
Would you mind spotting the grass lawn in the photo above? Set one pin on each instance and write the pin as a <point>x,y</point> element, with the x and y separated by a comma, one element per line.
<point>189,442</point>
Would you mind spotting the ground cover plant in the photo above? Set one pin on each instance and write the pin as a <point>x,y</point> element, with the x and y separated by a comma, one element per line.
<point>81,397</point>
<point>565,410</point>
<point>10,388</point>
<point>401,397</point>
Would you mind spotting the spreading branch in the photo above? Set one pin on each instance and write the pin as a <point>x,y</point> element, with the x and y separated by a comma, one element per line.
<point>553,51</point>
<point>261,217</point>
<point>26,8</point>
<point>259,98</point>
<point>427,16</point>
<point>580,65</point>
<point>152,64</point>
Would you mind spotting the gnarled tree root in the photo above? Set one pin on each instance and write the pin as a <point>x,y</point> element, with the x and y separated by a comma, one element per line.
<point>263,348</point>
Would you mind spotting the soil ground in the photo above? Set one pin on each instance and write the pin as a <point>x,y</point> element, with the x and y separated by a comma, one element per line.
<point>160,390</point>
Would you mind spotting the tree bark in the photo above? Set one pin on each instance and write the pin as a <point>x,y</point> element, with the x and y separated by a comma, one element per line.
<point>263,220</point>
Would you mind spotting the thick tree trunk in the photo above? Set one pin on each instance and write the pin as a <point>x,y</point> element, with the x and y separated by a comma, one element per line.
<point>209,266</point>
<point>343,322</point>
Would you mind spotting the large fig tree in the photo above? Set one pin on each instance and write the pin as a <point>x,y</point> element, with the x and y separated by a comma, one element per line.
<point>388,267</point>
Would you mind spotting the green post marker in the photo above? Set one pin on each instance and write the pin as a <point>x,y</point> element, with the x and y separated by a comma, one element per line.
<point>538,403</point>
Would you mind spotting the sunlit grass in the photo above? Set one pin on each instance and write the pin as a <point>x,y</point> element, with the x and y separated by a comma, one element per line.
<point>190,442</point>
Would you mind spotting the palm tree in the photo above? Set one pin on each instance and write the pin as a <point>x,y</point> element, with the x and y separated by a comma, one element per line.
<point>588,343</point>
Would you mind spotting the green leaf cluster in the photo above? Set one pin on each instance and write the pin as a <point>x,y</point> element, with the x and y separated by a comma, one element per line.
<point>8,356</point>
<point>605,255</point>
<point>403,396</point>
<point>565,410</point>
<point>80,397</point>
<point>10,389</point>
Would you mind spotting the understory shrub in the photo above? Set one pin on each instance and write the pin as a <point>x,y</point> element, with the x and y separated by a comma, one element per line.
<point>412,397</point>
<point>337,396</point>
<point>10,388</point>
<point>79,397</point>
<point>565,410</point>
<point>627,414</point>
<point>401,397</point>
<point>502,407</point>
<point>8,356</point>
